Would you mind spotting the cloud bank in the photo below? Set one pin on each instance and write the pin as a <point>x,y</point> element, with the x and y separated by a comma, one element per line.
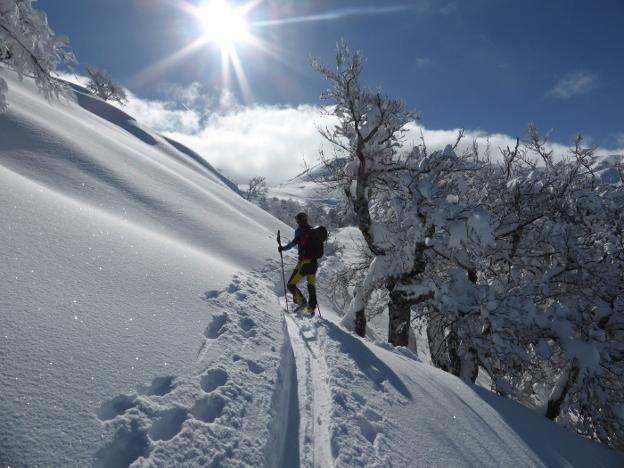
<point>273,141</point>
<point>268,141</point>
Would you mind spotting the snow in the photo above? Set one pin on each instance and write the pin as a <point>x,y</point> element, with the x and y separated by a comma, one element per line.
<point>303,188</point>
<point>141,323</point>
<point>605,168</point>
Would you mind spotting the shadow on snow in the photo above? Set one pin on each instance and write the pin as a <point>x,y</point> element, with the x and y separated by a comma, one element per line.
<point>365,359</point>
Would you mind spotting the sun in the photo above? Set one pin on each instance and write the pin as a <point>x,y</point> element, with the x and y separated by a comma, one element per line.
<point>223,24</point>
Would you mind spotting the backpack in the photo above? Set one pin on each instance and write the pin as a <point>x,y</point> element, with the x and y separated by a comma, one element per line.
<point>314,247</point>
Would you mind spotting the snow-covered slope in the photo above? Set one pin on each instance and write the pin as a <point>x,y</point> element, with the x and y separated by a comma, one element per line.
<point>109,241</point>
<point>304,188</point>
<point>141,323</point>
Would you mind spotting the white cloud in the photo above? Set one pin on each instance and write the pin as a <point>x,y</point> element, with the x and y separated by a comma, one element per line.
<point>242,142</point>
<point>162,117</point>
<point>271,141</point>
<point>262,140</point>
<point>574,84</point>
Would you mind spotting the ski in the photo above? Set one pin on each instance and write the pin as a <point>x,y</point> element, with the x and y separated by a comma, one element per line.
<point>299,310</point>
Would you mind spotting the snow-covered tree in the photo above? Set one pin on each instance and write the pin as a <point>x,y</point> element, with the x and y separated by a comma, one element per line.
<point>400,200</point>
<point>565,253</point>
<point>542,313</point>
<point>257,189</point>
<point>29,47</point>
<point>105,87</point>
<point>515,265</point>
<point>367,136</point>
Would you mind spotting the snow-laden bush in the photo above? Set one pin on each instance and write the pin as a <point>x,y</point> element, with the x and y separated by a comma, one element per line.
<point>29,47</point>
<point>105,87</point>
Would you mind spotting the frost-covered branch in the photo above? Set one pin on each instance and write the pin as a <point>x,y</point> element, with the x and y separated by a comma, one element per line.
<point>29,47</point>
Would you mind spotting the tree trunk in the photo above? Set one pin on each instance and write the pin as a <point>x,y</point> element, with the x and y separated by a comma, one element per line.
<point>399,311</point>
<point>469,365</point>
<point>355,318</point>
<point>560,392</point>
<point>363,218</point>
<point>360,323</point>
<point>455,361</point>
<point>437,342</point>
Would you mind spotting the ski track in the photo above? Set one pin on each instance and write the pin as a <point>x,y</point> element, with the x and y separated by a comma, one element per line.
<point>314,392</point>
<point>341,387</point>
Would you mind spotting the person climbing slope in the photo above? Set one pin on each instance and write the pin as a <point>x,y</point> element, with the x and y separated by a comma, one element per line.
<point>306,267</point>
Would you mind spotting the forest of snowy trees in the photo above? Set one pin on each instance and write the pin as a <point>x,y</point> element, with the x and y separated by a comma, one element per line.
<point>515,261</point>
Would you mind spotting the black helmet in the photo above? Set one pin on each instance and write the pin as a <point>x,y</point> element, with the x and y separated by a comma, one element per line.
<point>301,218</point>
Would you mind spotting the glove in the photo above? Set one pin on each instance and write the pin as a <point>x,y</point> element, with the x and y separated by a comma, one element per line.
<point>280,248</point>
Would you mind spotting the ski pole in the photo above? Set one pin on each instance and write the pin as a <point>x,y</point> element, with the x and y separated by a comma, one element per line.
<point>319,309</point>
<point>279,242</point>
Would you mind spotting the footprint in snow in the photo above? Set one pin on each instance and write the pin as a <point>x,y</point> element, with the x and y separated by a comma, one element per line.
<point>372,415</point>
<point>368,423</point>
<point>160,386</point>
<point>168,424</point>
<point>357,397</point>
<point>129,444</point>
<point>246,324</point>
<point>368,429</point>
<point>116,407</point>
<point>251,365</point>
<point>213,379</point>
<point>212,294</point>
<point>208,409</point>
<point>216,327</point>
<point>255,367</point>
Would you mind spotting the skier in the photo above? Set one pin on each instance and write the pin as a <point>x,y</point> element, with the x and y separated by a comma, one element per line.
<point>306,267</point>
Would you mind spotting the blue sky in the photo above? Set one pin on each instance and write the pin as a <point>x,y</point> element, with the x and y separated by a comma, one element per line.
<point>488,65</point>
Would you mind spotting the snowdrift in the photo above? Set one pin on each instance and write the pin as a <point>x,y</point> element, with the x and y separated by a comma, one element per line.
<point>141,324</point>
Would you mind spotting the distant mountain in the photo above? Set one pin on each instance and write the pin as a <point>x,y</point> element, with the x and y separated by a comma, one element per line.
<point>317,172</point>
<point>307,187</point>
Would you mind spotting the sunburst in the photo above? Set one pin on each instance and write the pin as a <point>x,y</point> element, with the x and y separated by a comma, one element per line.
<point>223,24</point>
<point>229,27</point>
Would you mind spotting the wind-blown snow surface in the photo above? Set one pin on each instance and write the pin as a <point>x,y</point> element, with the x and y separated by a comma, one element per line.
<point>140,324</point>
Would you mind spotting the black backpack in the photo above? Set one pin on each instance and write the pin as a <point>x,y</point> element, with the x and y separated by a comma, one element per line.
<point>314,246</point>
